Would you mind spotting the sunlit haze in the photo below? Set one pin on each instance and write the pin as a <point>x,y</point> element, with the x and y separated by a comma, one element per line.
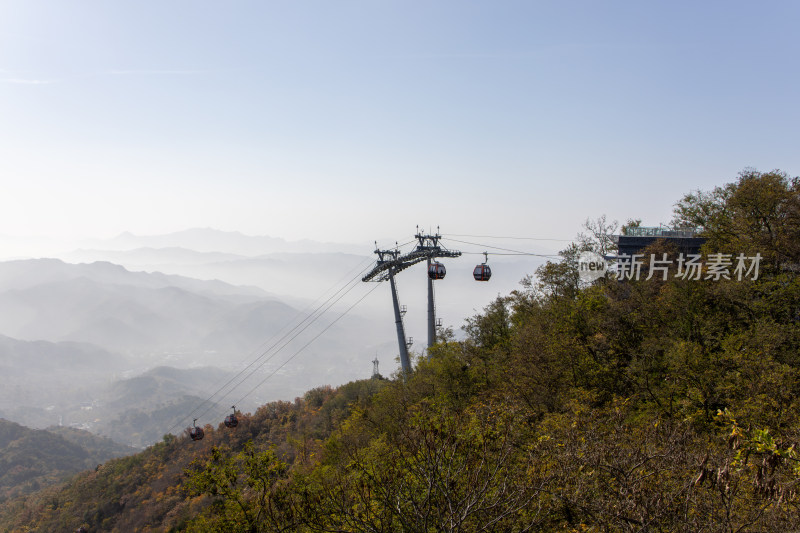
<point>355,121</point>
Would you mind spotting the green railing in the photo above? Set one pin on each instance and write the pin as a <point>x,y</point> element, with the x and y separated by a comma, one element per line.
<point>642,231</point>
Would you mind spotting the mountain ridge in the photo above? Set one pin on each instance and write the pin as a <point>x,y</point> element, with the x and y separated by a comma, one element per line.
<point>33,458</point>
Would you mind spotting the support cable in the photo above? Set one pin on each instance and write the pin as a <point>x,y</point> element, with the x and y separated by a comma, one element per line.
<point>509,238</point>
<point>309,342</point>
<point>278,350</point>
<point>515,252</point>
<point>309,317</point>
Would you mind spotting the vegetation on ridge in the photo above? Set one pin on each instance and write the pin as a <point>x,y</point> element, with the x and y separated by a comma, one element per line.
<point>31,459</point>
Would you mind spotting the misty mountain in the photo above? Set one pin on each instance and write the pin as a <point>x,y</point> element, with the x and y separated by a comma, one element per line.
<point>20,359</point>
<point>78,340</point>
<point>161,384</point>
<point>26,273</point>
<point>212,240</point>
<point>300,273</point>
<point>39,379</point>
<point>138,411</point>
<point>79,385</point>
<point>288,276</point>
<point>131,312</point>
<point>150,257</point>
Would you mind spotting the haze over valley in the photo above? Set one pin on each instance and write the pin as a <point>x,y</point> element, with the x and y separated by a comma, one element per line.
<point>125,338</point>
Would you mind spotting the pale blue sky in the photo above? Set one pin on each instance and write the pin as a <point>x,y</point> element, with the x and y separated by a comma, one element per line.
<point>357,120</point>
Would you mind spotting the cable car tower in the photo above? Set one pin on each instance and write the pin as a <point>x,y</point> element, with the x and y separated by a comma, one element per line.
<point>390,262</point>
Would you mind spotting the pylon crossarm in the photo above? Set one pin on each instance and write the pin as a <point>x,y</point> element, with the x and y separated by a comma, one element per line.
<point>381,270</point>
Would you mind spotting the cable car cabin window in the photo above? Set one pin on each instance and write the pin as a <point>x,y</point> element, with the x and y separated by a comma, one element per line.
<point>482,273</point>
<point>436,271</point>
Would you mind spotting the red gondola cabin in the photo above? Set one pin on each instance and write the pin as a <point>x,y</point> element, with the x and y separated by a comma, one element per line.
<point>436,270</point>
<point>482,272</point>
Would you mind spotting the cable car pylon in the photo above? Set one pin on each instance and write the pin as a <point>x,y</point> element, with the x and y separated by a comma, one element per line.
<point>388,259</point>
<point>390,263</point>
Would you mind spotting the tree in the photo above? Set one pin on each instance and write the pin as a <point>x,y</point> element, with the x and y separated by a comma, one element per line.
<point>598,235</point>
<point>246,491</point>
<point>431,469</point>
<point>758,213</point>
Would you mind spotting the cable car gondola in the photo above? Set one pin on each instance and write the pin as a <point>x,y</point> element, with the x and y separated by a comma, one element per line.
<point>482,272</point>
<point>436,270</point>
<point>196,433</point>
<point>231,421</point>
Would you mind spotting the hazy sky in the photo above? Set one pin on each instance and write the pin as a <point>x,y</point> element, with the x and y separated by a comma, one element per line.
<point>356,120</point>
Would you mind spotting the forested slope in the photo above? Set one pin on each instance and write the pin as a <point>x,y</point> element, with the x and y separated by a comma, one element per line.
<point>148,491</point>
<point>30,458</point>
<point>638,405</point>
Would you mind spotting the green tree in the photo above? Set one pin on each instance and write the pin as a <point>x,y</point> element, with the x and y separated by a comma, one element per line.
<point>758,213</point>
<point>246,491</point>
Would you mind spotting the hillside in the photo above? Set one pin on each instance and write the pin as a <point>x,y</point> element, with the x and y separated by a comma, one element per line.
<point>150,490</point>
<point>44,382</point>
<point>78,384</point>
<point>662,404</point>
<point>31,459</point>
<point>135,411</point>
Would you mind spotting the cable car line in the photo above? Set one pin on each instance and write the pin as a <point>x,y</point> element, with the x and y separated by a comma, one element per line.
<point>436,271</point>
<point>309,342</point>
<point>312,317</point>
<point>261,347</point>
<point>290,335</point>
<point>511,254</point>
<point>278,350</point>
<point>514,252</point>
<point>510,238</point>
<point>303,312</point>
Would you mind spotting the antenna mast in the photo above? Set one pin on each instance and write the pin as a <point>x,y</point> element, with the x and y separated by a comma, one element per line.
<point>375,372</point>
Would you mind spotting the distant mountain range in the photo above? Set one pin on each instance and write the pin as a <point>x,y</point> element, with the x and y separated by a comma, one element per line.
<point>75,340</point>
<point>42,382</point>
<point>132,312</point>
<point>291,277</point>
<point>139,410</point>
<point>229,242</point>
<point>79,334</point>
<point>23,274</point>
<point>77,384</point>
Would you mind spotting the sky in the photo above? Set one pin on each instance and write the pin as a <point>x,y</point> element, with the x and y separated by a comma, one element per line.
<point>354,121</point>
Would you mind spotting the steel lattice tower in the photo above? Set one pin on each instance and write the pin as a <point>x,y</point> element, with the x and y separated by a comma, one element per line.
<point>390,263</point>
